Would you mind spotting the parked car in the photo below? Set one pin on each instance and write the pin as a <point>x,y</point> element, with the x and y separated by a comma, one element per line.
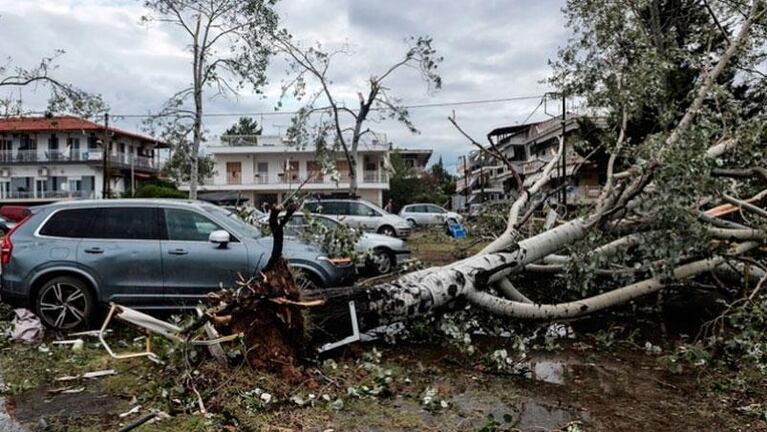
<point>67,258</point>
<point>5,226</point>
<point>361,214</point>
<point>14,213</point>
<point>429,214</point>
<point>385,252</point>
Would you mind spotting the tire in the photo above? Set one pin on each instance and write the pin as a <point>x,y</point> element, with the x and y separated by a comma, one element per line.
<point>382,261</point>
<point>306,281</point>
<point>412,223</point>
<point>64,303</point>
<point>387,231</point>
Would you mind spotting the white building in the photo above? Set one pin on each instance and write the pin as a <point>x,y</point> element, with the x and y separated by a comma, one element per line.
<point>264,168</point>
<point>528,147</point>
<point>45,159</point>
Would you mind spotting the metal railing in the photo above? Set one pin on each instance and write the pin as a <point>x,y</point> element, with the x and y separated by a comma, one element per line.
<point>22,156</point>
<point>47,194</point>
<point>296,179</point>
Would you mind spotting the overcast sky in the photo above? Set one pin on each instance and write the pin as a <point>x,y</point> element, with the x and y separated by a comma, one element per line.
<point>492,49</point>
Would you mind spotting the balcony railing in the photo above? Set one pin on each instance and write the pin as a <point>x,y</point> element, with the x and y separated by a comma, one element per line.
<point>47,194</point>
<point>23,156</point>
<point>296,179</point>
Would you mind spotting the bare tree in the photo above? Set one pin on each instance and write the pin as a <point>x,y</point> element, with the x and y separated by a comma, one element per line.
<point>326,110</point>
<point>227,45</point>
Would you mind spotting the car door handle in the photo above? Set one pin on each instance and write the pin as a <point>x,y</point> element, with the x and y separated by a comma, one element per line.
<point>94,250</point>
<point>178,252</point>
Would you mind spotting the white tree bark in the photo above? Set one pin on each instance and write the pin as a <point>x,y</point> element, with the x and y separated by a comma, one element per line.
<point>518,309</point>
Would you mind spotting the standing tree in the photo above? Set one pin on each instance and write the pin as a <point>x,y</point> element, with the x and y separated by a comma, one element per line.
<point>344,126</point>
<point>245,126</point>
<point>228,50</point>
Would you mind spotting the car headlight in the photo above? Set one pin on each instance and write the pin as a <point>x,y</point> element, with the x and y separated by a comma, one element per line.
<point>336,262</point>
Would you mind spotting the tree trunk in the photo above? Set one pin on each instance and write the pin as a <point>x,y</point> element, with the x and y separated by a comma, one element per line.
<point>197,64</point>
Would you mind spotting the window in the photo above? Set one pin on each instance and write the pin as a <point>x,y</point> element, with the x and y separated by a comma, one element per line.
<point>417,209</point>
<point>340,208</point>
<point>185,225</point>
<point>434,209</point>
<point>125,223</point>
<point>359,209</point>
<point>74,223</point>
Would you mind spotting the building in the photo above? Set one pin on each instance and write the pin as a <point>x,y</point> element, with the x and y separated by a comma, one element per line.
<point>45,159</point>
<point>262,168</point>
<point>529,147</point>
<point>416,159</point>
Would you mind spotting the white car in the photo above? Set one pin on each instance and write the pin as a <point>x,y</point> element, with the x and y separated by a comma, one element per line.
<point>429,214</point>
<point>385,253</point>
<point>361,214</point>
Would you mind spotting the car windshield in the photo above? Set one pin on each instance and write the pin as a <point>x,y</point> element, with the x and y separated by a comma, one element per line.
<point>232,219</point>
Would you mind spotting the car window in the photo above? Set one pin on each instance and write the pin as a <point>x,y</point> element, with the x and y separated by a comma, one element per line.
<point>435,209</point>
<point>185,225</point>
<point>125,223</point>
<point>339,208</point>
<point>74,223</point>
<point>327,223</point>
<point>360,209</point>
<point>417,209</point>
<point>312,206</point>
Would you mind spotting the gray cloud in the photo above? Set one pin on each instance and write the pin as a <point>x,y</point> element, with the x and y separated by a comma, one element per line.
<point>492,49</point>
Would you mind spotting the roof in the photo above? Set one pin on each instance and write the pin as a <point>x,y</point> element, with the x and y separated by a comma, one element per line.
<point>422,155</point>
<point>66,124</point>
<point>506,130</point>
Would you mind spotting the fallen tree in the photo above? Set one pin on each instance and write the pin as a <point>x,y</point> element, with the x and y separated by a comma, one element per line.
<point>682,204</point>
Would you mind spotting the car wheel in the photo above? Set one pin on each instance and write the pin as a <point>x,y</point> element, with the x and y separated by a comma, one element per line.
<point>64,303</point>
<point>387,231</point>
<point>382,261</point>
<point>304,281</point>
<point>411,222</point>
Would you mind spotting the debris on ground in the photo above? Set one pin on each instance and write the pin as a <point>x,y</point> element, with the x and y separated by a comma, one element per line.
<point>26,327</point>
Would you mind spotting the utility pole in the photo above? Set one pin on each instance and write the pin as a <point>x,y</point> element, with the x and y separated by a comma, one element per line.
<point>105,159</point>
<point>564,153</point>
<point>465,184</point>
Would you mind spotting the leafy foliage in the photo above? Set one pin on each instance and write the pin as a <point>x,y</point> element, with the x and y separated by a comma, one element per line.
<point>227,44</point>
<point>406,186</point>
<point>245,126</point>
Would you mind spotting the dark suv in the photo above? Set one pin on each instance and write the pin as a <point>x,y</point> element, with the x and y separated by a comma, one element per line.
<point>66,258</point>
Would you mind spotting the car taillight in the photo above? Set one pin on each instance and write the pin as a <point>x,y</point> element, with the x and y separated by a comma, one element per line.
<point>6,247</point>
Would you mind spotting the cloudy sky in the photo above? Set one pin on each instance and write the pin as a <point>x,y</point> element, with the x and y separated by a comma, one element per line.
<point>493,49</point>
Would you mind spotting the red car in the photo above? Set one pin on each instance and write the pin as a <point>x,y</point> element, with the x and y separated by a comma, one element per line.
<point>14,213</point>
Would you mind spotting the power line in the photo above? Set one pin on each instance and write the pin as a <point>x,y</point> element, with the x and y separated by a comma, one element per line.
<point>282,113</point>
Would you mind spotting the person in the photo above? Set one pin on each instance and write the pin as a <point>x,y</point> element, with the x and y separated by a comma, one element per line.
<point>389,206</point>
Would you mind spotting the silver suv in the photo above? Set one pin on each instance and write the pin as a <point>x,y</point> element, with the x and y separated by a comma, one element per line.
<point>66,258</point>
<point>361,214</point>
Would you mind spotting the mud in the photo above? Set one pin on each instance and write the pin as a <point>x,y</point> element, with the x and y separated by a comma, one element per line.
<point>38,406</point>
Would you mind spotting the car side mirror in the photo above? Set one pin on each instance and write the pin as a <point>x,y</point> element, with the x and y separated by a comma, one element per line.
<point>219,237</point>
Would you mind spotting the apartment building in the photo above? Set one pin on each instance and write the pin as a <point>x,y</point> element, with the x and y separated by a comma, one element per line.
<point>415,159</point>
<point>529,147</point>
<point>46,159</point>
<point>263,168</point>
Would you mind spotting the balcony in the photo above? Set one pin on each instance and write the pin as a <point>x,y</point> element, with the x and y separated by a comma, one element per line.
<point>57,156</point>
<point>47,195</point>
<point>266,181</point>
